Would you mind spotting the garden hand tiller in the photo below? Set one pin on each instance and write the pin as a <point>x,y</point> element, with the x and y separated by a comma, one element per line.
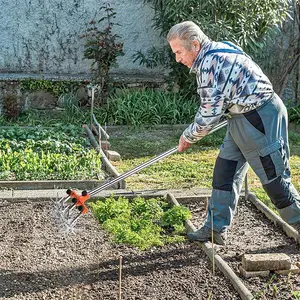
<point>79,201</point>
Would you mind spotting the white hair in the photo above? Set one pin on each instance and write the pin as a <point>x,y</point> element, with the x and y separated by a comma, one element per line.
<point>187,31</point>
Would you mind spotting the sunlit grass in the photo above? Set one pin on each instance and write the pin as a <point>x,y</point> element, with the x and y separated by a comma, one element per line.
<point>191,169</point>
<point>184,170</point>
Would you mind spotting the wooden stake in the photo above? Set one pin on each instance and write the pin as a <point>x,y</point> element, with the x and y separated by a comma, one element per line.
<point>206,206</point>
<point>120,279</point>
<point>212,242</point>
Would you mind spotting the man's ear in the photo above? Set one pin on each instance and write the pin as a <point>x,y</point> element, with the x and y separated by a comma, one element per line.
<point>196,45</point>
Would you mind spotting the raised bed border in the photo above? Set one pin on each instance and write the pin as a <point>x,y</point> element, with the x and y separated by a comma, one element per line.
<point>47,184</point>
<point>288,229</point>
<point>207,247</point>
<point>107,166</point>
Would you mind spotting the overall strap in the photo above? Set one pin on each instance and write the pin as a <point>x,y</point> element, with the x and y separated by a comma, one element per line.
<point>236,50</point>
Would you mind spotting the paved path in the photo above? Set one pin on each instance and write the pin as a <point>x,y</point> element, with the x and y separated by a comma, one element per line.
<point>47,194</point>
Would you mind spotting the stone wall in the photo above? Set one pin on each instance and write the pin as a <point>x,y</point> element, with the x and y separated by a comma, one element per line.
<point>43,36</point>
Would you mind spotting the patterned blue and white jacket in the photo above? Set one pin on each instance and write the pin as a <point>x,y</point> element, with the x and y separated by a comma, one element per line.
<point>228,80</point>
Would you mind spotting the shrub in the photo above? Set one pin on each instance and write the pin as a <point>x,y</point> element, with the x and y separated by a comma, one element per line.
<point>294,114</point>
<point>56,88</point>
<point>11,107</point>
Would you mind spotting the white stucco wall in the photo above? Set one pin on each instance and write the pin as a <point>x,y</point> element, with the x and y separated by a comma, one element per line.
<point>43,36</point>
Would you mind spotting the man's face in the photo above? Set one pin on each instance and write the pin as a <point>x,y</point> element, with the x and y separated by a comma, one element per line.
<point>182,54</point>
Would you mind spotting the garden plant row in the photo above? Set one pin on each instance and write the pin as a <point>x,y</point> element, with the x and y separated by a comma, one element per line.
<point>36,153</point>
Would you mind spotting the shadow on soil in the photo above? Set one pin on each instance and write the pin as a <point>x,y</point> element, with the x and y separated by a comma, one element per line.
<point>137,265</point>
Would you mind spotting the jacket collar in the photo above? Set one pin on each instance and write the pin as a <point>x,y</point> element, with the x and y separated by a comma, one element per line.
<point>205,47</point>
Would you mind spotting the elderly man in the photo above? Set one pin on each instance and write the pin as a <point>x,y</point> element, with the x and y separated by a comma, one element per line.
<point>230,82</point>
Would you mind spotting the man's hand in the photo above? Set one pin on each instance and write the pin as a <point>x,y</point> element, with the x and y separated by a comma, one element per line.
<point>183,144</point>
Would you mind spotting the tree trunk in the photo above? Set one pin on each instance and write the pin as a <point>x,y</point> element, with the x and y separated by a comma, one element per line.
<point>285,76</point>
<point>294,50</point>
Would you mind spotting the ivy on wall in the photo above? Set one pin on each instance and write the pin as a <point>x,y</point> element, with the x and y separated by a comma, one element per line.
<point>56,88</point>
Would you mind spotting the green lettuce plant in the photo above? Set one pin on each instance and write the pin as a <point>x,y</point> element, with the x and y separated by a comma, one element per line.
<point>141,223</point>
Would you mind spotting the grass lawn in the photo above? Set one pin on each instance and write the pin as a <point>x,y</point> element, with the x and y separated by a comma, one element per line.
<point>191,169</point>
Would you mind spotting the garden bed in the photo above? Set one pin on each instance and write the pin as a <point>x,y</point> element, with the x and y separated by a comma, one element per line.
<point>57,153</point>
<point>39,260</point>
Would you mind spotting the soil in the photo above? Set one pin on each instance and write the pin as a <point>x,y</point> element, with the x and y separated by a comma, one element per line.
<point>251,232</point>
<point>40,259</point>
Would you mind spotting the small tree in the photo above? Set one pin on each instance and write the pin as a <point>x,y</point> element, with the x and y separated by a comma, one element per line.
<point>103,48</point>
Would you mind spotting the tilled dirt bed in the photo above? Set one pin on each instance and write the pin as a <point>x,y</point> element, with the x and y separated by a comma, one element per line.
<point>252,232</point>
<point>40,260</point>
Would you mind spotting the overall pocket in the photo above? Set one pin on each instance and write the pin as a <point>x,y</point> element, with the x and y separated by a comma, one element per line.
<point>273,159</point>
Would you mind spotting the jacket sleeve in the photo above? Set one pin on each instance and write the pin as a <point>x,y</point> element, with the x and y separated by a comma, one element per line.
<point>212,104</point>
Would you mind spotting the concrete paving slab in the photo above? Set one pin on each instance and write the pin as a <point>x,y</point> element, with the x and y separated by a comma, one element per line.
<point>249,274</point>
<point>47,194</point>
<point>266,262</point>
